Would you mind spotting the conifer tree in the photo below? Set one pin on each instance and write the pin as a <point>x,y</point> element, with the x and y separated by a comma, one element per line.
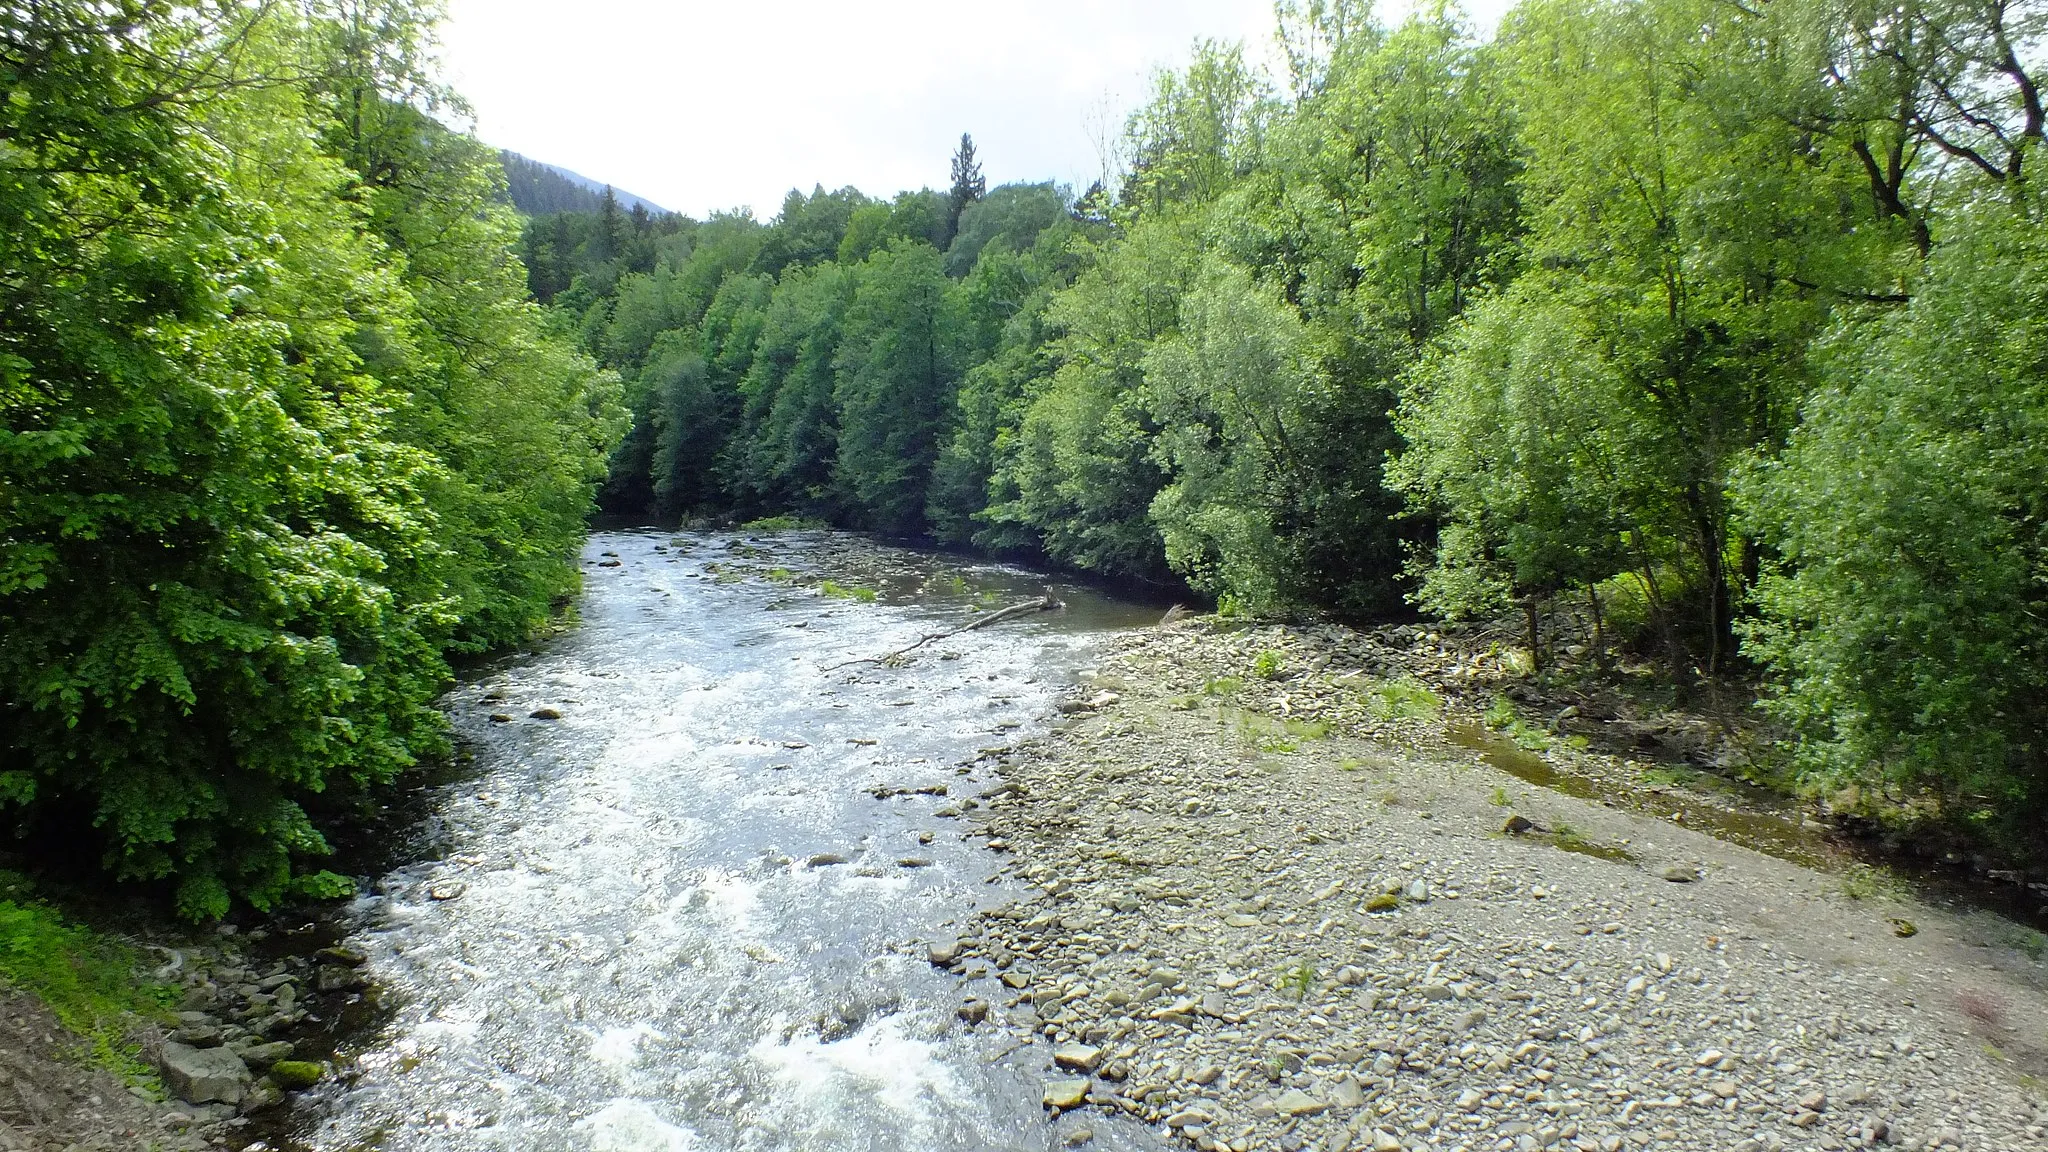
<point>968,185</point>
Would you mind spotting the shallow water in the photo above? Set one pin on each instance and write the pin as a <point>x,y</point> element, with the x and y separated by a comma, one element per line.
<point>1762,824</point>
<point>632,938</point>
<point>1772,833</point>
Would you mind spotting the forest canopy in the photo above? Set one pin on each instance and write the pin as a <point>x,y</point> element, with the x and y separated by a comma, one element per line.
<point>1669,308</point>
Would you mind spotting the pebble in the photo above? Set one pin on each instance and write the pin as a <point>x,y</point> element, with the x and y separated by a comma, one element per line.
<point>1064,1094</point>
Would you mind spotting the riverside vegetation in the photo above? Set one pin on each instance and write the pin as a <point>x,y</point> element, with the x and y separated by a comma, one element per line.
<point>1717,321</point>
<point>284,432</point>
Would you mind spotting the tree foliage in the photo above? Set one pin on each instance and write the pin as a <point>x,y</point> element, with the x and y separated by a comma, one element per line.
<point>1445,323</point>
<point>282,429</point>
<point>1906,607</point>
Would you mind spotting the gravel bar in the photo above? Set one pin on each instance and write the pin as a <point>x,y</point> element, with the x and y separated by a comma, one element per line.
<point>1271,908</point>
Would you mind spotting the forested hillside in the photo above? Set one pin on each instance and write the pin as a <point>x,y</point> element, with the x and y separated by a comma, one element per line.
<point>1720,320</point>
<point>284,431</point>
<point>538,189</point>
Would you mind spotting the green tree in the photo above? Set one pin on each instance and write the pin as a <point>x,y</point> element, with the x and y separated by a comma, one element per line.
<point>1009,218</point>
<point>249,496</point>
<point>788,443</point>
<point>1078,474</point>
<point>1696,245</point>
<point>1229,392</point>
<point>969,185</point>
<point>1905,614</point>
<point>897,368</point>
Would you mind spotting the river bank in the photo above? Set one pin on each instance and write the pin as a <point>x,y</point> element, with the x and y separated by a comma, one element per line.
<point>1256,887</point>
<point>1276,906</point>
<point>203,1036</point>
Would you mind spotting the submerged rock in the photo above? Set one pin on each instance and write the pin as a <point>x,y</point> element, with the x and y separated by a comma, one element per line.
<point>294,1075</point>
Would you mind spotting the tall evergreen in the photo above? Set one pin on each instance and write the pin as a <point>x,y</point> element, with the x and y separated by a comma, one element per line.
<point>968,185</point>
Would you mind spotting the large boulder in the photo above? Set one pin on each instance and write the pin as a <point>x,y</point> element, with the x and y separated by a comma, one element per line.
<point>205,1075</point>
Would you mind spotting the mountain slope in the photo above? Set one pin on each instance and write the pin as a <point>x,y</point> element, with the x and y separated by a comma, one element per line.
<point>538,189</point>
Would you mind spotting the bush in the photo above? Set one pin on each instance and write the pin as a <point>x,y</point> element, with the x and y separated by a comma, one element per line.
<point>1905,621</point>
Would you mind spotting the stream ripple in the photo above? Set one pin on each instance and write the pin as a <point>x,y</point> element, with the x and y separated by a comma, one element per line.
<point>635,936</point>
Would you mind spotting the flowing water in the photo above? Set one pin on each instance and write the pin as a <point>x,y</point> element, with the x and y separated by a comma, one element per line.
<point>636,934</point>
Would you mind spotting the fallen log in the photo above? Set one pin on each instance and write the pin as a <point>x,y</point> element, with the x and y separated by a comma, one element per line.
<point>1042,604</point>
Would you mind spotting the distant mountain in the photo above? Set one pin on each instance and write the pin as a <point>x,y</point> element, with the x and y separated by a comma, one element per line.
<point>538,189</point>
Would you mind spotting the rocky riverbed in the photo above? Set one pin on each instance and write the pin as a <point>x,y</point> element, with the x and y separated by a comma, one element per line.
<point>1275,908</point>
<point>1261,888</point>
<point>251,1024</point>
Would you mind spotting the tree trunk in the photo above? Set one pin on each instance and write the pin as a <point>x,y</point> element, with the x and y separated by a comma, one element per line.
<point>1530,605</point>
<point>1599,628</point>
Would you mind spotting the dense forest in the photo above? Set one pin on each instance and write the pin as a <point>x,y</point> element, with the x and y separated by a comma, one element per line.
<point>1720,320</point>
<point>284,431</point>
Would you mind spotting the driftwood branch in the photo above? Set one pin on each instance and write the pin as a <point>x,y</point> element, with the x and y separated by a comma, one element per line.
<point>1042,604</point>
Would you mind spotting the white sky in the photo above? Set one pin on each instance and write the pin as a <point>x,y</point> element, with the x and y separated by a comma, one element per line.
<point>716,105</point>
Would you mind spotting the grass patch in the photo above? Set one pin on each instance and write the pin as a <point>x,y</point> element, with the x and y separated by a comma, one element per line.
<point>1300,981</point>
<point>1500,713</point>
<point>1672,776</point>
<point>780,524</point>
<point>1223,686</point>
<point>838,591</point>
<point>88,981</point>
<point>1499,799</point>
<point>1570,839</point>
<point>1270,735</point>
<point>1502,717</point>
<point>1404,699</point>
<point>1269,665</point>
<point>1862,882</point>
<point>2030,942</point>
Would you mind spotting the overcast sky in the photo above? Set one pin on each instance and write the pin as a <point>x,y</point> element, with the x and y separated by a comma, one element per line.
<point>700,106</point>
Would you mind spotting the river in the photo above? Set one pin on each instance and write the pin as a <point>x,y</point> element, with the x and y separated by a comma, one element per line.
<point>635,931</point>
